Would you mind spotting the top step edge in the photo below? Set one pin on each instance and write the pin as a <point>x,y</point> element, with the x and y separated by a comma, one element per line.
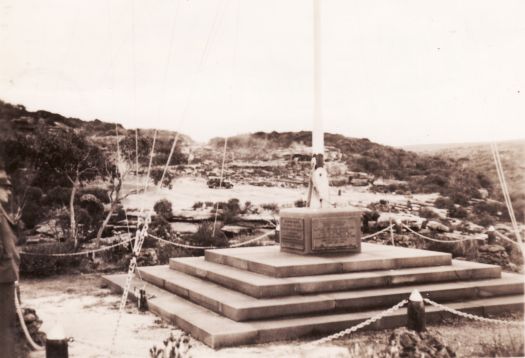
<point>276,265</point>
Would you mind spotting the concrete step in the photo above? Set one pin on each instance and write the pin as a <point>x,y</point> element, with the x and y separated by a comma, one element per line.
<point>270,261</point>
<point>240,307</point>
<point>258,285</point>
<point>217,331</point>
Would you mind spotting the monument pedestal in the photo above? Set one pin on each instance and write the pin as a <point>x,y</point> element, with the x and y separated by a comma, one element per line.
<point>308,231</point>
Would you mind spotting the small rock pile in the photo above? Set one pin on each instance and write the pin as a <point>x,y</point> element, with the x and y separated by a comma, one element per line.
<point>407,343</point>
<point>494,254</point>
<point>33,324</point>
<point>148,257</point>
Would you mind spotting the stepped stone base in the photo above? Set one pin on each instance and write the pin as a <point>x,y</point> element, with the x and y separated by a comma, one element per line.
<point>252,295</point>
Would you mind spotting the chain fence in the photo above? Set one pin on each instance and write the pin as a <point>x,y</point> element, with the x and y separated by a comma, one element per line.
<point>438,240</point>
<point>89,252</point>
<point>184,245</point>
<point>403,303</point>
<point>471,316</point>
<point>377,232</point>
<point>361,325</point>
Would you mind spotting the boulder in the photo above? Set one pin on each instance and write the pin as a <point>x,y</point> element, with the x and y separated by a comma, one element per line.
<point>232,230</point>
<point>49,228</point>
<point>437,226</point>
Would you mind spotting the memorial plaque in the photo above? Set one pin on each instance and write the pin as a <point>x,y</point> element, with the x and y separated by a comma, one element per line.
<point>333,234</point>
<point>308,231</point>
<point>292,233</point>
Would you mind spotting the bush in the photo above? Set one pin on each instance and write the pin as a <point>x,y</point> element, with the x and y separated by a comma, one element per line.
<point>247,207</point>
<point>32,214</point>
<point>300,203</point>
<point>197,205</point>
<point>443,203</point>
<point>34,193</point>
<point>159,227</point>
<point>457,212</point>
<point>40,265</point>
<point>428,213</point>
<point>204,236</point>
<point>164,209</point>
<point>100,193</point>
<point>458,198</point>
<point>156,175</point>
<point>58,196</point>
<point>231,211</point>
<point>92,204</point>
<point>273,207</point>
<point>490,208</point>
<point>483,219</point>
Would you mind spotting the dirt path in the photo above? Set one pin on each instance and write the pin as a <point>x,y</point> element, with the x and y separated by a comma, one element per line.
<point>88,313</point>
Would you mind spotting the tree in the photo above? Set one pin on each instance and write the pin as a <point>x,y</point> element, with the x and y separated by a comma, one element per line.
<point>68,160</point>
<point>156,175</point>
<point>116,172</point>
<point>133,144</point>
<point>163,208</point>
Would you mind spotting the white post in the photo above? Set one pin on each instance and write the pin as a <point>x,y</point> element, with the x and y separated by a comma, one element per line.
<point>317,133</point>
<point>318,190</point>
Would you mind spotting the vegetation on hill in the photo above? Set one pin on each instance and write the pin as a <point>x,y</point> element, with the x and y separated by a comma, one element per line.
<point>478,158</point>
<point>423,173</point>
<point>51,159</point>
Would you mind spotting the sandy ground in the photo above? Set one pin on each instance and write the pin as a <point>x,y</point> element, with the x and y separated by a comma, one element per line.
<point>188,190</point>
<point>88,313</point>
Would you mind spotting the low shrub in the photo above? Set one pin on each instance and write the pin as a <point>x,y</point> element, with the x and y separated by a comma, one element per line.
<point>205,237</point>
<point>41,265</point>
<point>443,203</point>
<point>300,203</point>
<point>197,205</point>
<point>159,227</point>
<point>457,212</point>
<point>428,213</point>
<point>230,210</point>
<point>100,193</point>
<point>156,175</point>
<point>58,196</point>
<point>273,207</point>
<point>507,344</point>
<point>163,208</point>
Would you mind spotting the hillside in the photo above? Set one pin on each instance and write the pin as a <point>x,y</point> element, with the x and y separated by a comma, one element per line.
<point>478,157</point>
<point>272,159</point>
<point>16,120</point>
<point>423,173</point>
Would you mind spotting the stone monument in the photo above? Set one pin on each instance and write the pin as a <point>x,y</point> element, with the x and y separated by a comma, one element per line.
<point>320,231</point>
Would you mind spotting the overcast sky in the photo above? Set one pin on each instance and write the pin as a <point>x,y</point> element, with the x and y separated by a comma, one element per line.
<point>397,72</point>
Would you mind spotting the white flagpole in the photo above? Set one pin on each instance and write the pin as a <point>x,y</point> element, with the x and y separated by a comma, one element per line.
<point>317,132</point>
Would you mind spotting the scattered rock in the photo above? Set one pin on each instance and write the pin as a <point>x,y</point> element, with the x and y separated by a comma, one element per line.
<point>493,254</point>
<point>49,228</point>
<point>147,257</point>
<point>232,230</point>
<point>434,225</point>
<point>424,344</point>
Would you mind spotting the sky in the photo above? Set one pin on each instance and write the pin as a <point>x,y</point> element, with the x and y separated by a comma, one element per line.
<point>398,72</point>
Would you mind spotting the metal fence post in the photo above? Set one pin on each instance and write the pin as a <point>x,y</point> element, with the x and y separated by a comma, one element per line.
<point>56,344</point>
<point>416,320</point>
